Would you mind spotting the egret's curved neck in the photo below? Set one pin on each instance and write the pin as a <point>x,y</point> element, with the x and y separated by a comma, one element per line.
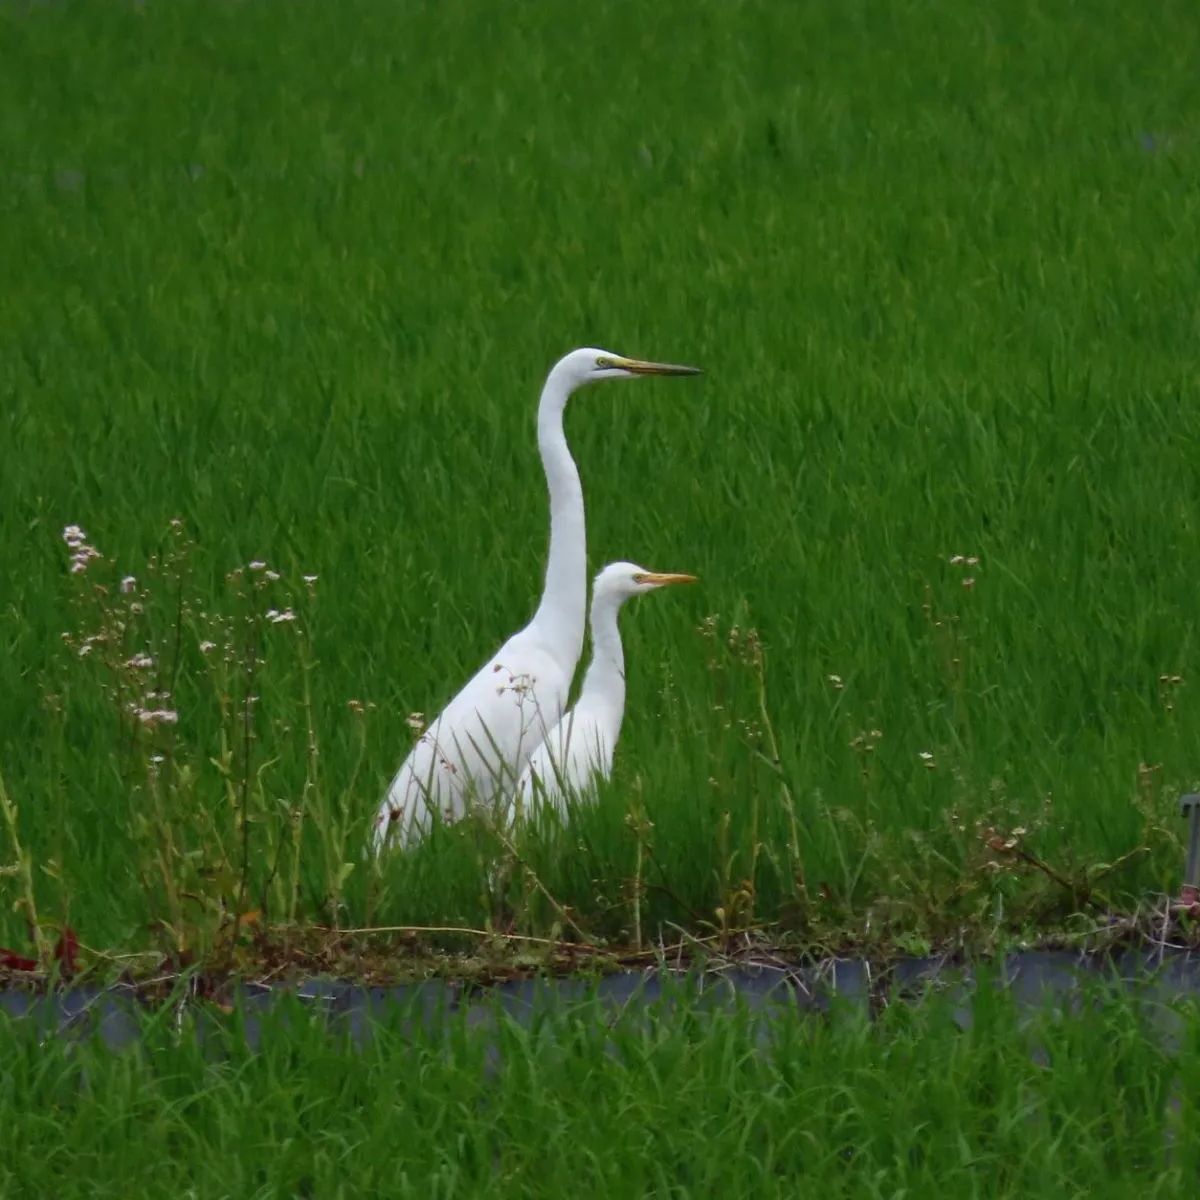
<point>605,678</point>
<point>561,614</point>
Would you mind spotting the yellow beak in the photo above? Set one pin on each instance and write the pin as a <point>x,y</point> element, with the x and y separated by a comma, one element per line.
<point>661,580</point>
<point>641,367</point>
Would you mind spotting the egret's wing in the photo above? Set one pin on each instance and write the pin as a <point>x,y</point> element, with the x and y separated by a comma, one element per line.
<point>479,744</point>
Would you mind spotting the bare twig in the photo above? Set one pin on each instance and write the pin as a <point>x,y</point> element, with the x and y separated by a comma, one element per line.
<point>462,930</point>
<point>566,917</point>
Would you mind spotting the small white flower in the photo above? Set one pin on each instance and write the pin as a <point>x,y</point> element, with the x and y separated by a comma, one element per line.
<point>309,579</point>
<point>140,661</point>
<point>81,555</point>
<point>277,616</point>
<point>157,716</point>
<point>205,647</point>
<point>128,584</point>
<point>73,535</point>
<point>258,565</point>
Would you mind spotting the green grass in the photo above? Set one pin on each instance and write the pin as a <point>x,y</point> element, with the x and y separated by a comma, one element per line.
<point>687,1104</point>
<point>293,274</point>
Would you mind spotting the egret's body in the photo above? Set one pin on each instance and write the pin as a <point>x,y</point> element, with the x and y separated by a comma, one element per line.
<point>481,741</point>
<point>579,749</point>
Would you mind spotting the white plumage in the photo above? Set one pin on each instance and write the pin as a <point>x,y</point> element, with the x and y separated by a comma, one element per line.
<point>579,749</point>
<point>482,740</point>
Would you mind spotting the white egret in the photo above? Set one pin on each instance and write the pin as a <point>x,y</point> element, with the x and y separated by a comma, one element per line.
<point>484,736</point>
<point>579,749</point>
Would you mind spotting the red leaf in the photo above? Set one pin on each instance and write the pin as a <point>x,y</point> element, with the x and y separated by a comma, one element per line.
<point>13,961</point>
<point>66,953</point>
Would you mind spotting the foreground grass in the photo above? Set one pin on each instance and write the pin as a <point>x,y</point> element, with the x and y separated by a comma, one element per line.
<point>292,275</point>
<point>685,1104</point>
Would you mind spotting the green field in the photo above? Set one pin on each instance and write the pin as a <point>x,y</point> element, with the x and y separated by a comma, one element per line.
<point>689,1104</point>
<point>292,275</point>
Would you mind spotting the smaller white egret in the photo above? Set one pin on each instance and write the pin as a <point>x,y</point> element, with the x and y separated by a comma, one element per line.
<point>579,749</point>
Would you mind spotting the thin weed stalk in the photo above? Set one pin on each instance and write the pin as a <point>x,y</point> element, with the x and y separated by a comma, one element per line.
<point>22,869</point>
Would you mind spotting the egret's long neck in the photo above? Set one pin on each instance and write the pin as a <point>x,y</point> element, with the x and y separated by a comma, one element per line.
<point>605,678</point>
<point>563,609</point>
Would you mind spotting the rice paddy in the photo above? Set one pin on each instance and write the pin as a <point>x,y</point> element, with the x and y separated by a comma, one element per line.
<point>685,1102</point>
<point>281,284</point>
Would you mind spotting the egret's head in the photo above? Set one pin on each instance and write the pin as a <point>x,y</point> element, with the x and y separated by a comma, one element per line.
<point>591,366</point>
<point>623,580</point>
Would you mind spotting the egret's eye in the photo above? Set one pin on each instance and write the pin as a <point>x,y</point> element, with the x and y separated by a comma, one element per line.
<point>602,363</point>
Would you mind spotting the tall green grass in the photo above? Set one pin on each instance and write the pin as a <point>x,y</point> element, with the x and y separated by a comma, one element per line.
<point>293,274</point>
<point>682,1103</point>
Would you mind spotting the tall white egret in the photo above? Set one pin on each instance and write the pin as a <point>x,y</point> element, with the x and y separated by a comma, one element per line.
<point>484,736</point>
<point>579,749</point>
